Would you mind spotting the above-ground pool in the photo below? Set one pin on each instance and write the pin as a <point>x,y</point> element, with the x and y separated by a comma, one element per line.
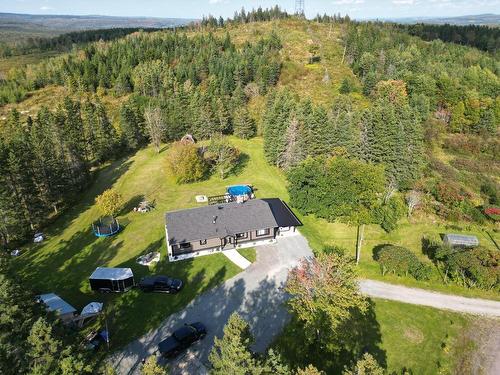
<point>239,190</point>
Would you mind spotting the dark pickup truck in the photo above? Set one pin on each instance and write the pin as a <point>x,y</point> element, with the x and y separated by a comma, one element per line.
<point>162,284</point>
<point>182,339</point>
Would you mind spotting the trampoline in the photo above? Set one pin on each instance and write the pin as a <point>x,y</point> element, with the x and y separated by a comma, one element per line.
<point>106,227</point>
<point>237,190</point>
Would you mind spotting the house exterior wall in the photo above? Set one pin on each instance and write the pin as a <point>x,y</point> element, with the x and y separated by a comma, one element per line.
<point>215,245</point>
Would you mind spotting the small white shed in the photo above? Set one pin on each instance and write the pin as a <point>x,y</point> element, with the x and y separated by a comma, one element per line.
<point>55,303</point>
<point>460,240</point>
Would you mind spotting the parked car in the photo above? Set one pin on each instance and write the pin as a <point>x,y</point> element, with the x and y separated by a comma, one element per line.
<point>181,339</point>
<point>160,283</point>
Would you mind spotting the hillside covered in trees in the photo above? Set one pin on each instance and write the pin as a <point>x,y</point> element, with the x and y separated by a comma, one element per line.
<point>395,100</point>
<point>368,123</point>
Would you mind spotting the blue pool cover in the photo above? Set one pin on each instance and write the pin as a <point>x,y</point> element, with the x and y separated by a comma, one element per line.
<point>239,190</point>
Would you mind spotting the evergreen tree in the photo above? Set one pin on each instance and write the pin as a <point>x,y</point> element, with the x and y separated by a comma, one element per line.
<point>243,124</point>
<point>231,354</point>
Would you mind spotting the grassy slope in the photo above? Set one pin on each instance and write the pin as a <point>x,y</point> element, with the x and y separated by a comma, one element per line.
<point>63,263</point>
<point>399,335</point>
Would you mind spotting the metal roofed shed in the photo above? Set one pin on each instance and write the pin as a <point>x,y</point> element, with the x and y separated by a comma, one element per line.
<point>55,303</point>
<point>105,279</point>
<point>460,240</point>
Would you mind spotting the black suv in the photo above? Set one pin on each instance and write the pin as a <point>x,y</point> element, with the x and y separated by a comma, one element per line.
<point>160,284</point>
<point>181,339</point>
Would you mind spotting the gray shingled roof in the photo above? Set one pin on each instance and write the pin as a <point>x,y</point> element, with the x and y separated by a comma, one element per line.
<point>231,218</point>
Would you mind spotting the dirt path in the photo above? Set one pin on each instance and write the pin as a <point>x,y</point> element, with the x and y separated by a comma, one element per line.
<point>423,297</point>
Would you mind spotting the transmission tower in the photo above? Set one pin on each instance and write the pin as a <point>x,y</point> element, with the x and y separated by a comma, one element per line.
<point>299,7</point>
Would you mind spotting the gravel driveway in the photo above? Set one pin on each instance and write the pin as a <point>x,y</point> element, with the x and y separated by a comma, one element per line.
<point>422,297</point>
<point>256,294</point>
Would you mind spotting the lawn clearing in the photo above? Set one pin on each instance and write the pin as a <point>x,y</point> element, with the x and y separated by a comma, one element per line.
<point>249,254</point>
<point>420,339</point>
<point>63,263</point>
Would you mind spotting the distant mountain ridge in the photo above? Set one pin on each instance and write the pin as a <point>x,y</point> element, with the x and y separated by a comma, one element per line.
<point>65,23</point>
<point>488,19</point>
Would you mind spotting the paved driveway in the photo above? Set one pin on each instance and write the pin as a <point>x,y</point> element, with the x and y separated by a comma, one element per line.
<point>256,294</point>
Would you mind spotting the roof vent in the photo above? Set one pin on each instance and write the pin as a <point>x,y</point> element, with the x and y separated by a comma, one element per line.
<point>214,220</point>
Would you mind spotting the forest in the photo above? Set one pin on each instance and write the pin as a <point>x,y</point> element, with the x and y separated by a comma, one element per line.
<point>66,41</point>
<point>46,159</point>
<point>368,156</point>
<point>482,37</point>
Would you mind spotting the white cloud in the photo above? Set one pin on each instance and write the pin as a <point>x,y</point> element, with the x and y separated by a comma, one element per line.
<point>45,7</point>
<point>347,2</point>
<point>215,1</point>
<point>403,2</point>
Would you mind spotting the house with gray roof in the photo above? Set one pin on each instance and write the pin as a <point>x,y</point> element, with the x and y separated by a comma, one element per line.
<point>214,228</point>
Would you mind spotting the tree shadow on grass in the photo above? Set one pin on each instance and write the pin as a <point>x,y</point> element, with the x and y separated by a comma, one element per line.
<point>241,164</point>
<point>66,271</point>
<point>103,180</point>
<point>132,203</point>
<point>358,335</point>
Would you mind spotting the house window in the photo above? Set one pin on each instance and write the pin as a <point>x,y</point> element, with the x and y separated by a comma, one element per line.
<point>263,232</point>
<point>185,245</point>
<point>203,242</point>
<point>241,235</point>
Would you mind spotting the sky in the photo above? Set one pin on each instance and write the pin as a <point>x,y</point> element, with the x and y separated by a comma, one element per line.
<point>360,9</point>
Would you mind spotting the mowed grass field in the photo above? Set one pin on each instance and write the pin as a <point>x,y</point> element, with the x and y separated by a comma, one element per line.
<point>420,339</point>
<point>63,263</point>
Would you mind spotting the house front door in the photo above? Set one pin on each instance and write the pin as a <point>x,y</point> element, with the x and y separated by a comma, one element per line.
<point>229,241</point>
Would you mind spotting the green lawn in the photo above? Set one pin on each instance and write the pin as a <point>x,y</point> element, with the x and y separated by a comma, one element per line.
<point>249,254</point>
<point>409,234</point>
<point>421,339</point>
<point>63,263</point>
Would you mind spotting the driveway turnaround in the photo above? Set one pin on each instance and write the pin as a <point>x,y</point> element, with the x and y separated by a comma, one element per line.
<point>237,258</point>
<point>423,297</point>
<point>256,294</point>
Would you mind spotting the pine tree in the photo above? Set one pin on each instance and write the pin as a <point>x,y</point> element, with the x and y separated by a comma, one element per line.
<point>132,125</point>
<point>231,354</point>
<point>243,124</point>
<point>275,122</point>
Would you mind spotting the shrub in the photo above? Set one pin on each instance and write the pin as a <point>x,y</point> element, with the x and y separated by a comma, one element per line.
<point>493,213</point>
<point>185,163</point>
<point>478,267</point>
<point>490,189</point>
<point>401,261</point>
<point>334,249</point>
<point>390,213</point>
<point>109,203</point>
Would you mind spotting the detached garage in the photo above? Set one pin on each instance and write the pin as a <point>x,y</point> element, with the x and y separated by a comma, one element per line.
<point>106,280</point>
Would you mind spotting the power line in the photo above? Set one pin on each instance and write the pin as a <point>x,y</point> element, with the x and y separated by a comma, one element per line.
<point>299,7</point>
